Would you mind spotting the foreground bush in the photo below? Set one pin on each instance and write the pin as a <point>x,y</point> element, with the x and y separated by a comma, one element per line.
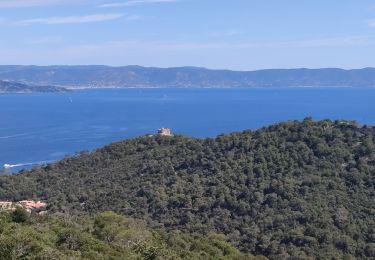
<point>106,236</point>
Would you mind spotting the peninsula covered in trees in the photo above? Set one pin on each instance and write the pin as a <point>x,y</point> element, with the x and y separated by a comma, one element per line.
<point>15,87</point>
<point>298,189</point>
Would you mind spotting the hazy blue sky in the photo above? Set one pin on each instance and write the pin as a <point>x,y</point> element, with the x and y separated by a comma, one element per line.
<point>234,34</point>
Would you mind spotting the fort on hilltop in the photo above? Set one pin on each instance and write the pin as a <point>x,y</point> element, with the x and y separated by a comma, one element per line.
<point>165,132</point>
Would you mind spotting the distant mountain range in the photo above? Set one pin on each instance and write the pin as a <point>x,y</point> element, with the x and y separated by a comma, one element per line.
<point>136,76</point>
<point>14,87</point>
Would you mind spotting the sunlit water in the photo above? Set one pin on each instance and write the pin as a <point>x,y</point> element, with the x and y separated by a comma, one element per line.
<point>38,128</point>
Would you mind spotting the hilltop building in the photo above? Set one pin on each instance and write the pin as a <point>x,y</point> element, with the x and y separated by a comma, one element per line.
<point>165,132</point>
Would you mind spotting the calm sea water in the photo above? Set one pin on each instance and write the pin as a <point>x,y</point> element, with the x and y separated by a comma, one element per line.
<point>37,128</point>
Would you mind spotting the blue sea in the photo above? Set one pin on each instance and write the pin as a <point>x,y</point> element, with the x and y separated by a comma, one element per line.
<point>39,128</point>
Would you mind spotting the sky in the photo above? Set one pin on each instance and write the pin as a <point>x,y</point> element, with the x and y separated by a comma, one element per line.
<point>217,34</point>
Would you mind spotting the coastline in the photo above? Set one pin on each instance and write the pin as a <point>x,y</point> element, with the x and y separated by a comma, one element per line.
<point>69,89</point>
<point>176,87</point>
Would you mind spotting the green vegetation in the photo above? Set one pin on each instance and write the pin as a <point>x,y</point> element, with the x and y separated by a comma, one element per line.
<point>295,189</point>
<point>106,236</point>
<point>14,87</point>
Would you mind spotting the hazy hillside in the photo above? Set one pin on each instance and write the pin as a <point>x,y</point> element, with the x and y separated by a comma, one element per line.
<point>14,87</point>
<point>136,76</point>
<point>295,189</point>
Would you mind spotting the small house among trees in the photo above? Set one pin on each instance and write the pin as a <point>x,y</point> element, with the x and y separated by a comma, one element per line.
<point>28,205</point>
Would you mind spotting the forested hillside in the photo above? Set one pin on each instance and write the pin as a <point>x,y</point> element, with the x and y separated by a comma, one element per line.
<point>105,236</point>
<point>294,189</point>
<point>14,87</point>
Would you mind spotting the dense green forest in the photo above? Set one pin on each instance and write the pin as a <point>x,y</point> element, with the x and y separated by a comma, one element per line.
<point>105,236</point>
<point>293,190</point>
<point>15,87</point>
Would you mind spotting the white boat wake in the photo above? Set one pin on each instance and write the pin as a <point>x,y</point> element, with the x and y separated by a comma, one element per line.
<point>12,136</point>
<point>9,166</point>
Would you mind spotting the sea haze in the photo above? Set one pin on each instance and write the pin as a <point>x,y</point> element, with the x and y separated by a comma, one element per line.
<point>37,128</point>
